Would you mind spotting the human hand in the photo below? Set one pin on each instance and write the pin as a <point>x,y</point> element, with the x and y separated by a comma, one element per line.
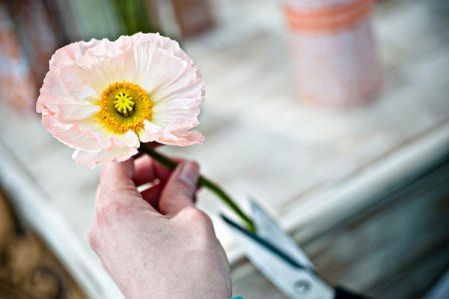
<point>156,244</point>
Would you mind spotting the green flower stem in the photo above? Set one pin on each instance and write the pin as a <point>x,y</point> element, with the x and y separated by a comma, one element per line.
<point>203,182</point>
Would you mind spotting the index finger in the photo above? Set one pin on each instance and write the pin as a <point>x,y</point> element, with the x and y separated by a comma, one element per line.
<point>147,170</point>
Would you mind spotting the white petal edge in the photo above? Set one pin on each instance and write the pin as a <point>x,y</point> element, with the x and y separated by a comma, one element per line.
<point>90,160</point>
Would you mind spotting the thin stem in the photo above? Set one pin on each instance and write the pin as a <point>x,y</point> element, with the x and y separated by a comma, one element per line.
<point>203,182</point>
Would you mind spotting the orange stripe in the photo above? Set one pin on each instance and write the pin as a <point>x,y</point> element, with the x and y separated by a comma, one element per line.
<point>328,19</point>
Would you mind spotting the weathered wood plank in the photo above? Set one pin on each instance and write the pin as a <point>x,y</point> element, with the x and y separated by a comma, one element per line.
<point>396,249</point>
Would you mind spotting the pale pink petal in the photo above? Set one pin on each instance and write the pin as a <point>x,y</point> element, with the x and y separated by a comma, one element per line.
<point>166,76</point>
<point>183,138</point>
<point>69,134</point>
<point>162,70</point>
<point>176,115</point>
<point>79,72</point>
<point>106,139</point>
<point>188,84</point>
<point>91,159</point>
<point>101,72</point>
<point>161,42</point>
<point>65,104</point>
<point>54,96</point>
<point>150,133</point>
<point>173,81</point>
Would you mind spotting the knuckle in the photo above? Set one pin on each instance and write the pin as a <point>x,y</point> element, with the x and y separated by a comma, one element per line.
<point>197,225</point>
<point>196,216</point>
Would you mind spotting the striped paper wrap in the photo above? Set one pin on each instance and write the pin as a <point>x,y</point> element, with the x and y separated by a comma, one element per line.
<point>334,52</point>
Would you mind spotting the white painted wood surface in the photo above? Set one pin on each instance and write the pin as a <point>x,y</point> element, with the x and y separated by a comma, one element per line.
<point>302,163</point>
<point>396,247</point>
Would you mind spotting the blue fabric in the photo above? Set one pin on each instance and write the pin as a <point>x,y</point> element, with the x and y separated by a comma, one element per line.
<point>237,297</point>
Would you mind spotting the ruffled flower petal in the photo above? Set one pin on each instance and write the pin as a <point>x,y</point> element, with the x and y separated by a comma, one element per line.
<point>104,138</point>
<point>174,81</point>
<point>70,134</point>
<point>66,105</point>
<point>181,138</point>
<point>150,132</point>
<point>91,159</point>
<point>80,72</point>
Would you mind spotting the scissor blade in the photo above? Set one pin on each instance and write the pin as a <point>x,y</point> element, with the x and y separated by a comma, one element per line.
<point>292,279</point>
<point>263,243</point>
<point>269,230</point>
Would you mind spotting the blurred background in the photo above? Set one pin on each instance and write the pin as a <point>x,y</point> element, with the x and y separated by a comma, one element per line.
<point>333,114</point>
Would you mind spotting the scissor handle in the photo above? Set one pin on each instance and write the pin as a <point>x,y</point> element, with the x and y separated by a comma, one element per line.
<point>341,293</point>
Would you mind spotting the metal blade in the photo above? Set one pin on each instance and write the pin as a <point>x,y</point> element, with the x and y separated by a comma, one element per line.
<point>269,230</point>
<point>290,277</point>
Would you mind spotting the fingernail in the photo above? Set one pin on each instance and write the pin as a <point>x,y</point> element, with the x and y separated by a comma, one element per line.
<point>189,173</point>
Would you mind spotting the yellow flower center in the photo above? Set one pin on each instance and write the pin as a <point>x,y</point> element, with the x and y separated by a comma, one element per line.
<point>124,106</point>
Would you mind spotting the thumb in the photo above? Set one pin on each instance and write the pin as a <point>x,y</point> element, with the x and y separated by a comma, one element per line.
<point>180,188</point>
<point>116,184</point>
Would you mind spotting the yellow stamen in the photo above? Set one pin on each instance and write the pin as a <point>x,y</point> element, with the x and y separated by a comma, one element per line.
<point>124,106</point>
<point>123,103</point>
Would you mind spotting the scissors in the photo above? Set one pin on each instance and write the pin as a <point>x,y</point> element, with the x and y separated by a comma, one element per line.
<point>281,260</point>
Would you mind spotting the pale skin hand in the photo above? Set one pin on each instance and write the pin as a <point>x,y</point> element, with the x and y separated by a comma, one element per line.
<point>157,244</point>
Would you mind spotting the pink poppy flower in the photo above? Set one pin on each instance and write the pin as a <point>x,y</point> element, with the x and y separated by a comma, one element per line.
<point>103,98</point>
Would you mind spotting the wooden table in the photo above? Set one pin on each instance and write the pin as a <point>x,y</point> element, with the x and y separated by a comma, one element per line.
<point>312,169</point>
